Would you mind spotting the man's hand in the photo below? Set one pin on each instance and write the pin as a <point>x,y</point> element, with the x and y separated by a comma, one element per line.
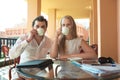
<point>58,32</point>
<point>31,35</point>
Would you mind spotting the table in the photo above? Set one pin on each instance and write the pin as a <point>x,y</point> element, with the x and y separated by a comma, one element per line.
<point>85,75</point>
<point>88,75</point>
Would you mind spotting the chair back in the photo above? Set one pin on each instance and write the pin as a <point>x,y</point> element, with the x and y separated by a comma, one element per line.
<point>95,47</point>
<point>5,50</point>
<point>16,61</point>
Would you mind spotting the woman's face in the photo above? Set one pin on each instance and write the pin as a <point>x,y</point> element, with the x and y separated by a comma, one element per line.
<point>66,23</point>
<point>66,26</point>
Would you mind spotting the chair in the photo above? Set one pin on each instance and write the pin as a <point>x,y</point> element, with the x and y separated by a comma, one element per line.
<point>95,47</point>
<point>16,61</point>
<point>5,50</point>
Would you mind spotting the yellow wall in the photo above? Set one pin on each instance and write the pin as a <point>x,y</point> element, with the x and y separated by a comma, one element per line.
<point>118,28</point>
<point>51,23</point>
<point>93,23</point>
<point>107,28</point>
<point>34,10</point>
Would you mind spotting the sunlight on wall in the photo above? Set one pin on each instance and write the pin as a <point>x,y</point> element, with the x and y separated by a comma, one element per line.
<point>13,12</point>
<point>84,22</point>
<point>83,28</point>
<point>45,15</point>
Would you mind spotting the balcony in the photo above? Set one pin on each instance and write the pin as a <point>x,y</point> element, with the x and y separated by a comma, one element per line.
<point>4,66</point>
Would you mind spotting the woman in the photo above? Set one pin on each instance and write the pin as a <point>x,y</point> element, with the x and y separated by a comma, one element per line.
<point>68,45</point>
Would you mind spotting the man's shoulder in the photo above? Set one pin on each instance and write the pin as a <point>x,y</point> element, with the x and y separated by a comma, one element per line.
<point>23,36</point>
<point>48,39</point>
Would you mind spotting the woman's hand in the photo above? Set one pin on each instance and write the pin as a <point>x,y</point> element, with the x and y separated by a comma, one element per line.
<point>58,35</point>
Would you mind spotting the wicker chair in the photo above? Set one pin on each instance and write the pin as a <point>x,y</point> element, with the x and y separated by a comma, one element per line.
<point>5,50</point>
<point>16,61</point>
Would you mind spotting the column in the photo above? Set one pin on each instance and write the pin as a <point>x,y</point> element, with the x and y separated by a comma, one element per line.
<point>34,10</point>
<point>107,28</point>
<point>93,23</point>
<point>51,23</point>
<point>118,30</point>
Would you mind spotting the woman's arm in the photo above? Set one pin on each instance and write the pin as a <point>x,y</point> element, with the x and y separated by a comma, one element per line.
<point>88,52</point>
<point>54,49</point>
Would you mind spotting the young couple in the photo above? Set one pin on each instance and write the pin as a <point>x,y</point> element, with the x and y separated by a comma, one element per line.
<point>36,45</point>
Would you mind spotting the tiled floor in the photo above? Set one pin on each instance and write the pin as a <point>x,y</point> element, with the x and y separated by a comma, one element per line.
<point>4,73</point>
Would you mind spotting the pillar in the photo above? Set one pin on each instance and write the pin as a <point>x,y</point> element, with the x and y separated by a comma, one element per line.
<point>51,23</point>
<point>107,28</point>
<point>93,23</point>
<point>118,30</point>
<point>34,10</point>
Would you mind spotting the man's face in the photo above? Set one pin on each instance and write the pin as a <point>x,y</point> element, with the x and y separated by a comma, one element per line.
<point>40,26</point>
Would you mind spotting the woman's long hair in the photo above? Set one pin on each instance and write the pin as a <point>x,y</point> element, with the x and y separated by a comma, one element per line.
<point>73,32</point>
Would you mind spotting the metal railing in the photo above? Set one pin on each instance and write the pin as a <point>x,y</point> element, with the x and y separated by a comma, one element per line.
<point>6,41</point>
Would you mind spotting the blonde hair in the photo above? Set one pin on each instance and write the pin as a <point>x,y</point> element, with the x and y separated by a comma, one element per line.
<point>73,33</point>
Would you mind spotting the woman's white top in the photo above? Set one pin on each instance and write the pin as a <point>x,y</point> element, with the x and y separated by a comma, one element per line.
<point>72,47</point>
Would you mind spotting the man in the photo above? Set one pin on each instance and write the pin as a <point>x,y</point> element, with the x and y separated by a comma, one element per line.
<point>33,46</point>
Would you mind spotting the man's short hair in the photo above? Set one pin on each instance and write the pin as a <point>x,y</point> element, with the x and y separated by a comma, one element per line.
<point>41,19</point>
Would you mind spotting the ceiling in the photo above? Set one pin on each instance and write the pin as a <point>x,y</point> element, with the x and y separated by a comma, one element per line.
<point>75,8</point>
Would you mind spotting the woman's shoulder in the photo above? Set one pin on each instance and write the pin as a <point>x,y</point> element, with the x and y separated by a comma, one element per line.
<point>77,39</point>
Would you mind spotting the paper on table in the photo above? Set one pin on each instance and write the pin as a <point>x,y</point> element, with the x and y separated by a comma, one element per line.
<point>98,69</point>
<point>108,67</point>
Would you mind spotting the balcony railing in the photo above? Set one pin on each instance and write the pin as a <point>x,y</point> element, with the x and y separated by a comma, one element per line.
<point>6,41</point>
